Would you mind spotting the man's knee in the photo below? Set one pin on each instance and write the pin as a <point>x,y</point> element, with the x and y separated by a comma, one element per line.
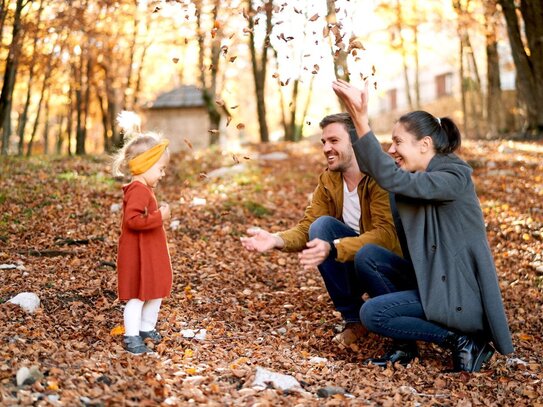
<point>321,227</point>
<point>366,253</point>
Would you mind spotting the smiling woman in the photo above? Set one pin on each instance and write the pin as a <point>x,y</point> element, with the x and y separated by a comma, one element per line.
<point>444,290</point>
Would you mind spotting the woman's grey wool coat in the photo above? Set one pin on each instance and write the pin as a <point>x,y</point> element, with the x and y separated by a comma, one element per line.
<point>446,240</point>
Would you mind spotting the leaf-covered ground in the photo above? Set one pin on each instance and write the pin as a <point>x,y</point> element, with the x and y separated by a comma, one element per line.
<point>56,223</point>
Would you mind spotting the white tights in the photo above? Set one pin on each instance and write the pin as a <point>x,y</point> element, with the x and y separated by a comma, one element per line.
<point>140,316</point>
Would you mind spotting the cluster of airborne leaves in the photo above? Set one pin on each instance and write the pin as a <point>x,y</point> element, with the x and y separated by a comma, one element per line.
<point>258,310</point>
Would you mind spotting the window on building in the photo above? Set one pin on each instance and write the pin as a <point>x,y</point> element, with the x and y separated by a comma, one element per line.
<point>444,84</point>
<point>393,99</point>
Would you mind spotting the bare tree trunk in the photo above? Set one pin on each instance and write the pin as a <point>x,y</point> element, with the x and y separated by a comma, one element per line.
<point>340,56</point>
<point>126,104</point>
<point>60,119</point>
<point>463,88</point>
<point>259,66</point>
<point>10,73</point>
<point>24,115</point>
<point>494,104</point>
<point>209,86</point>
<point>306,108</point>
<point>528,58</point>
<point>293,109</point>
<point>416,56</point>
<point>3,12</point>
<point>105,120</point>
<point>403,51</point>
<point>37,120</point>
<point>46,126</point>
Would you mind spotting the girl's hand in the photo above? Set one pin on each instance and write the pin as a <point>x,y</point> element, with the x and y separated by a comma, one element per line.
<point>356,103</point>
<point>165,211</point>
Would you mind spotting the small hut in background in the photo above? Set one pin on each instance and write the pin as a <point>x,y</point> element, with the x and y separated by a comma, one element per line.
<point>179,115</point>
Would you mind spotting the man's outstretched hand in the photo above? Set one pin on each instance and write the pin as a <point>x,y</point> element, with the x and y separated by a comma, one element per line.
<point>261,240</point>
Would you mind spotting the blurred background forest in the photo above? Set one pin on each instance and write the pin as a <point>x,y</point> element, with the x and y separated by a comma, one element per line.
<point>235,71</point>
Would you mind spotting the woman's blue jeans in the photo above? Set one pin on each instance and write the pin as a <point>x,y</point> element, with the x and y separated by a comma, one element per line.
<point>395,309</point>
<point>340,278</point>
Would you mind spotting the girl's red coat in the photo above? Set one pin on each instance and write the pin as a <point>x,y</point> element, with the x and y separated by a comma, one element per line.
<point>143,262</point>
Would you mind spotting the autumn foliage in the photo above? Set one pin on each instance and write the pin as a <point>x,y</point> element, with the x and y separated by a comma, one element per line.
<point>58,226</point>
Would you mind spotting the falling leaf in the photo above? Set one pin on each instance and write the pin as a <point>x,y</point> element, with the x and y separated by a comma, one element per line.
<point>232,59</point>
<point>240,126</point>
<point>228,119</point>
<point>375,85</point>
<point>234,107</point>
<point>314,18</point>
<point>373,70</point>
<point>219,102</point>
<point>188,143</point>
<point>213,131</point>
<point>247,158</point>
<point>202,175</point>
<point>235,158</point>
<point>156,9</point>
<point>175,60</point>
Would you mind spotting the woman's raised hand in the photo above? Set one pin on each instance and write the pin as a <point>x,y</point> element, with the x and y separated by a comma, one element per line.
<point>356,103</point>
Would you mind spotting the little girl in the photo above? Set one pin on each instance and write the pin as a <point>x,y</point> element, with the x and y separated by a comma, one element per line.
<point>143,261</point>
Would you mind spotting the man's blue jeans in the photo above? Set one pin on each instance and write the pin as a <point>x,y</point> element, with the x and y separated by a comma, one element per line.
<point>340,279</point>
<point>395,309</point>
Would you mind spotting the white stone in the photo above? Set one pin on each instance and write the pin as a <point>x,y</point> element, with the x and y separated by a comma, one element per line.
<point>22,374</point>
<point>278,380</point>
<point>8,266</point>
<point>174,225</point>
<point>188,333</point>
<point>516,361</point>
<point>276,156</point>
<point>198,201</point>
<point>225,171</point>
<point>115,207</point>
<point>30,302</point>
<point>317,360</point>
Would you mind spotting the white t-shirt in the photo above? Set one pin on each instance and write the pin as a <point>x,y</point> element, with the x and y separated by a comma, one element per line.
<point>351,208</point>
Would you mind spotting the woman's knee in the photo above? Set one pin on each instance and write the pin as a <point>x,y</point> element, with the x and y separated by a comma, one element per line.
<point>321,227</point>
<point>368,313</point>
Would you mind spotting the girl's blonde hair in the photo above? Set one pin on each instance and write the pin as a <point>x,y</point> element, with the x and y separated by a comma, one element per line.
<point>135,143</point>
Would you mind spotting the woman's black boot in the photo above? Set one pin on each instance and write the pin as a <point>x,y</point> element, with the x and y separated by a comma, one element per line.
<point>468,353</point>
<point>401,352</point>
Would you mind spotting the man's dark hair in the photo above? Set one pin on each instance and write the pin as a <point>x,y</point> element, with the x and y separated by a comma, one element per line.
<point>342,118</point>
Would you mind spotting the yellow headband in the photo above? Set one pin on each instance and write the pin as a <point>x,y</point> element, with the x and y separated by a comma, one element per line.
<point>142,162</point>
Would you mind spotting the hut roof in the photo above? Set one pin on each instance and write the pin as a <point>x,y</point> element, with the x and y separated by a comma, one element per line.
<point>183,96</point>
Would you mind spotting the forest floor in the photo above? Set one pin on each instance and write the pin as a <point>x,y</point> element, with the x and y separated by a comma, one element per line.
<point>59,226</point>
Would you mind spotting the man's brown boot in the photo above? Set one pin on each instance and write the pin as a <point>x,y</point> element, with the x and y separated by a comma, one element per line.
<point>350,334</point>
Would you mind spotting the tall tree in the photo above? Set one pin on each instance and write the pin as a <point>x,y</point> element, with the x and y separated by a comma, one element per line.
<point>494,104</point>
<point>210,40</point>
<point>528,57</point>
<point>260,62</point>
<point>472,97</point>
<point>35,51</point>
<point>10,72</point>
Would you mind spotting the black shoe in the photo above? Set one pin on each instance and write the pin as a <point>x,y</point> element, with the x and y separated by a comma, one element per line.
<point>401,352</point>
<point>135,345</point>
<point>468,353</point>
<point>153,335</point>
